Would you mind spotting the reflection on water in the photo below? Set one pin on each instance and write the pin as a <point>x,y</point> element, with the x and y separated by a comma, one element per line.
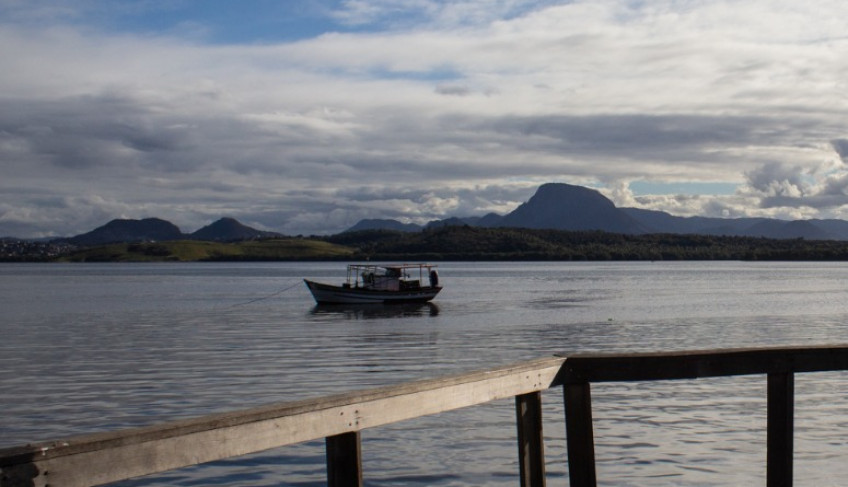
<point>376,310</point>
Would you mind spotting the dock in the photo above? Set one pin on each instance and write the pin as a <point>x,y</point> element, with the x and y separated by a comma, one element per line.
<point>102,458</point>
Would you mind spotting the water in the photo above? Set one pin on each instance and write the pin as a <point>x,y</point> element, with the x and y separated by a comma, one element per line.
<point>86,348</point>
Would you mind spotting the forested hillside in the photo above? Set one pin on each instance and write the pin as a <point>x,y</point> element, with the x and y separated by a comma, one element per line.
<point>451,243</point>
<point>475,243</point>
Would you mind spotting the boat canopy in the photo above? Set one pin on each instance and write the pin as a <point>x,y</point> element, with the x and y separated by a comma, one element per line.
<point>365,274</point>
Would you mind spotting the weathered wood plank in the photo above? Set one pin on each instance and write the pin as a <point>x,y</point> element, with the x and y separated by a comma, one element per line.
<point>344,460</point>
<point>531,443</point>
<point>108,457</point>
<point>579,435</point>
<point>702,363</point>
<point>781,405</point>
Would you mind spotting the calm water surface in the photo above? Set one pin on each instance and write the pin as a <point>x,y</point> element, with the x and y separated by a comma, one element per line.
<point>85,348</point>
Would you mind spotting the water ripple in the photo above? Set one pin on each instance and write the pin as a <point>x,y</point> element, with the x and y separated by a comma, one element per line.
<point>131,345</point>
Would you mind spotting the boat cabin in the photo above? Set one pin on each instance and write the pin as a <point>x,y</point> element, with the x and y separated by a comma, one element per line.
<point>400,277</point>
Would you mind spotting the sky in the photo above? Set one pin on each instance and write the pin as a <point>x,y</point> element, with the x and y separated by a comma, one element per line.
<point>304,117</point>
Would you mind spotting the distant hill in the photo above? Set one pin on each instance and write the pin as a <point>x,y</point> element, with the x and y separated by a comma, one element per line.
<point>838,229</point>
<point>229,230</point>
<point>146,230</point>
<point>474,221</point>
<point>788,229</point>
<point>459,243</point>
<point>558,206</point>
<point>157,230</point>
<point>555,206</point>
<point>379,224</point>
<point>489,220</point>
<point>661,222</point>
<point>394,225</point>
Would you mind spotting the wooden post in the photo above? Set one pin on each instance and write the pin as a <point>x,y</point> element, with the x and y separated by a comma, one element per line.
<point>781,392</point>
<point>531,450</point>
<point>344,460</point>
<point>578,431</point>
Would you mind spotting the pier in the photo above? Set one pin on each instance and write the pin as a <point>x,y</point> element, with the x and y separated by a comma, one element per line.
<point>102,458</point>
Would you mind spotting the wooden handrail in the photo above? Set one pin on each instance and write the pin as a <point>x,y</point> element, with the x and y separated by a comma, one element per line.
<point>108,457</point>
<point>778,364</point>
<point>618,367</point>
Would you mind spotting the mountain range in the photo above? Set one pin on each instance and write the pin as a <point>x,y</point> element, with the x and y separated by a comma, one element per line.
<point>155,229</point>
<point>555,206</point>
<point>560,206</point>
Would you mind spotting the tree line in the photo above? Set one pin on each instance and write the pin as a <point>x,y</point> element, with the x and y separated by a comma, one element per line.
<point>477,243</point>
<point>450,243</point>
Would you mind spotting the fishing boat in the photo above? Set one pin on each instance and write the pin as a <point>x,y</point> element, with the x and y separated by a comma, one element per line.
<point>367,283</point>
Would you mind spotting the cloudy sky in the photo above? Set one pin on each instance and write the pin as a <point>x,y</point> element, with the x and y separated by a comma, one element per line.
<point>304,117</point>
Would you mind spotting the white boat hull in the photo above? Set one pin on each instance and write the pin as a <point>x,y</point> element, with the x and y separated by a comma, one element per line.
<point>326,293</point>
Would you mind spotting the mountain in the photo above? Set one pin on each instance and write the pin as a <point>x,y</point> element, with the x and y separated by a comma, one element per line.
<point>561,206</point>
<point>791,229</point>
<point>379,224</point>
<point>662,222</point>
<point>382,224</point>
<point>489,220</point>
<point>229,230</point>
<point>837,228</point>
<point>472,221</point>
<point>567,207</point>
<point>148,229</point>
<point>554,206</point>
<point>157,230</point>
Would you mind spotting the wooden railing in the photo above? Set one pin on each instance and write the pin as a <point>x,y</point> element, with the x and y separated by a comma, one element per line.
<point>108,457</point>
<point>778,364</point>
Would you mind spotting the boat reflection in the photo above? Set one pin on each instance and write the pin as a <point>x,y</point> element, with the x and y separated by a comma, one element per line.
<point>377,310</point>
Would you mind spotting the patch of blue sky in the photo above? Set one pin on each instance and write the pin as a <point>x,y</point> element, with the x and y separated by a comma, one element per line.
<point>435,74</point>
<point>405,15</point>
<point>690,188</point>
<point>265,21</point>
<point>214,21</point>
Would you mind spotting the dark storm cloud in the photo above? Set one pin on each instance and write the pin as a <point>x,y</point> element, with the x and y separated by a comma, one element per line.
<point>630,136</point>
<point>86,132</point>
<point>841,148</point>
<point>635,135</point>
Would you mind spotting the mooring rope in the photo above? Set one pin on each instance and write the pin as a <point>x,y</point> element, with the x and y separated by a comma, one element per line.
<point>265,297</point>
